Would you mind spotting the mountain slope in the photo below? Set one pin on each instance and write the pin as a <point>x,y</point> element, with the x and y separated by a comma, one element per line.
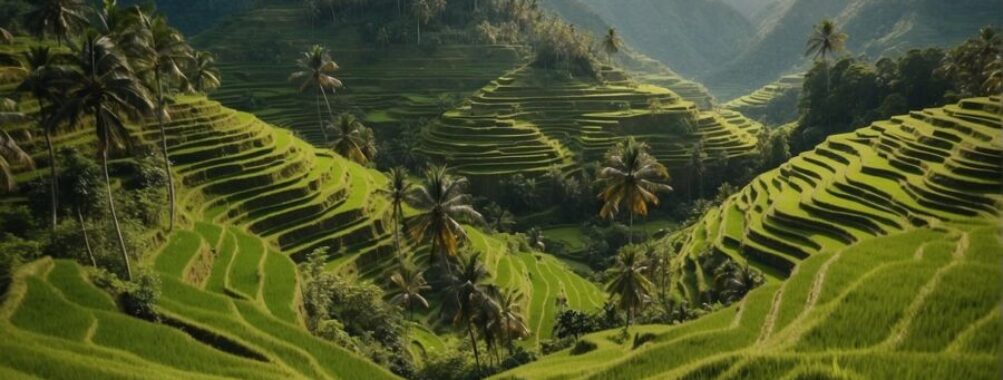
<point>875,28</point>
<point>894,227</point>
<point>687,35</point>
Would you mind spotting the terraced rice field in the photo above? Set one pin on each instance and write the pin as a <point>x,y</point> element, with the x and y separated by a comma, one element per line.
<point>258,50</point>
<point>893,227</point>
<point>255,198</point>
<point>756,104</point>
<point>528,122</point>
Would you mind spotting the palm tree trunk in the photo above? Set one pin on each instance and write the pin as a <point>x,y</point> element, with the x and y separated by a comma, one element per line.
<point>419,30</point>
<point>473,343</point>
<point>630,228</point>
<point>111,203</point>
<point>330,112</point>
<point>320,119</point>
<point>166,153</point>
<point>87,239</point>
<point>397,241</point>
<point>53,180</point>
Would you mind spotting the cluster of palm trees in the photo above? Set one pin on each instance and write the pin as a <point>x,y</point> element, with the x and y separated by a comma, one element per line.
<point>484,311</point>
<point>122,69</point>
<point>344,133</point>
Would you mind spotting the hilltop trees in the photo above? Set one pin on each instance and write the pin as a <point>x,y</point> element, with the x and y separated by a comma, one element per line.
<point>201,74</point>
<point>316,69</point>
<point>631,177</point>
<point>975,65</point>
<point>425,10</point>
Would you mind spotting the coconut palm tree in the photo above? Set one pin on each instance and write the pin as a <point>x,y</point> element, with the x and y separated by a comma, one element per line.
<point>162,55</point>
<point>397,188</point>
<point>81,178</point>
<point>443,203</point>
<point>351,139</point>
<point>58,17</point>
<point>408,284</point>
<point>11,156</point>
<point>629,285</point>
<point>202,74</point>
<point>464,294</point>
<point>734,281</point>
<point>41,82</point>
<point>315,73</point>
<point>826,40</point>
<point>104,88</point>
<point>630,177</point>
<point>511,321</point>
<point>611,43</point>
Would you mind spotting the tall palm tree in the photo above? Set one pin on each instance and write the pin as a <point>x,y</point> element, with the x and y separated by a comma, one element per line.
<point>105,89</point>
<point>397,188</point>
<point>611,43</point>
<point>202,74</point>
<point>42,84</point>
<point>630,177</point>
<point>631,288</point>
<point>58,17</point>
<point>80,181</point>
<point>825,40</point>
<point>464,294</point>
<point>425,10</point>
<point>163,54</point>
<point>443,203</point>
<point>351,139</point>
<point>408,284</point>
<point>315,73</point>
<point>11,156</point>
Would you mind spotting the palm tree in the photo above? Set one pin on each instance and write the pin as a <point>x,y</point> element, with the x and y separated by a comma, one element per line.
<point>442,202</point>
<point>629,284</point>
<point>11,156</point>
<point>351,139</point>
<point>163,54</point>
<point>734,281</point>
<point>408,284</point>
<point>512,322</point>
<point>80,181</point>
<point>202,74</point>
<point>42,83</point>
<point>315,73</point>
<point>6,37</point>
<point>424,10</point>
<point>611,43</point>
<point>464,294</point>
<point>397,189</point>
<point>59,17</point>
<point>105,88</point>
<point>630,178</point>
<point>824,41</point>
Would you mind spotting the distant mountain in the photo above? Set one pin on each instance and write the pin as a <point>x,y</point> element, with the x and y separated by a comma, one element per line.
<point>875,27</point>
<point>753,10</point>
<point>687,35</point>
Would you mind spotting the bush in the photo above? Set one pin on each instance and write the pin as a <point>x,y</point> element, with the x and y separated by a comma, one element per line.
<point>553,345</point>
<point>640,339</point>
<point>15,251</point>
<point>141,295</point>
<point>584,346</point>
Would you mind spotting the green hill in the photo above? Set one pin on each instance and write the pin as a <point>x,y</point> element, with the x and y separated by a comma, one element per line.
<point>893,227</point>
<point>531,120</point>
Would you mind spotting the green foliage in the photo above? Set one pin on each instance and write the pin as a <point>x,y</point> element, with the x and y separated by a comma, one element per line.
<point>583,346</point>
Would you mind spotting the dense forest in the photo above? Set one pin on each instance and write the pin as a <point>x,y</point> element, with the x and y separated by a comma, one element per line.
<point>510,189</point>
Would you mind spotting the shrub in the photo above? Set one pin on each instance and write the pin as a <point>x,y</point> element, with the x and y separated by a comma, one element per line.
<point>640,339</point>
<point>584,346</point>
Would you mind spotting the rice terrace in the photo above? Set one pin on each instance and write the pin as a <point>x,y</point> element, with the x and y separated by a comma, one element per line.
<point>501,189</point>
